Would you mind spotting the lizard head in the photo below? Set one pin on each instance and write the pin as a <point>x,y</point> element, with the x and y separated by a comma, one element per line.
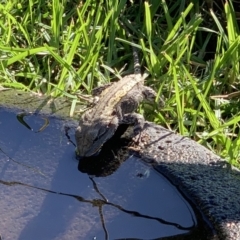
<point>90,138</point>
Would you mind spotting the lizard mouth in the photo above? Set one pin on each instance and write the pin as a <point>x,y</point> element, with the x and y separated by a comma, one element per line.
<point>88,154</point>
<point>95,153</point>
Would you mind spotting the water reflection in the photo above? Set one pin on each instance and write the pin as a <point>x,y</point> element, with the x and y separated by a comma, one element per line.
<point>48,194</point>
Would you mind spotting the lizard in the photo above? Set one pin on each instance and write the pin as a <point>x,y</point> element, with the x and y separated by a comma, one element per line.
<point>116,105</point>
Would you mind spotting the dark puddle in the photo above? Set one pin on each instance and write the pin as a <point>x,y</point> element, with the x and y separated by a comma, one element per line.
<point>47,194</point>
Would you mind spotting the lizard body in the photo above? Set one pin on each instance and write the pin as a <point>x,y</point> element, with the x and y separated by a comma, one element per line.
<point>116,105</point>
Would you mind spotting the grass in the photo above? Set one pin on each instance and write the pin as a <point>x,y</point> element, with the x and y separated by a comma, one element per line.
<point>191,51</point>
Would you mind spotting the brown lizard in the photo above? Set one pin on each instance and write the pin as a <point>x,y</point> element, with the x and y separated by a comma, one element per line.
<point>116,105</point>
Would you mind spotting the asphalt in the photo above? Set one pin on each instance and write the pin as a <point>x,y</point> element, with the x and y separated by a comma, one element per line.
<point>209,181</point>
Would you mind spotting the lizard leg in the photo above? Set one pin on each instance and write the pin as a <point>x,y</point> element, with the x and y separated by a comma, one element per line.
<point>150,96</point>
<point>98,90</point>
<point>134,119</point>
